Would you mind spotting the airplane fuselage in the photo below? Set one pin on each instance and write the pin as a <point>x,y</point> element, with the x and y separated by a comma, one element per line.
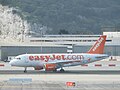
<point>33,60</point>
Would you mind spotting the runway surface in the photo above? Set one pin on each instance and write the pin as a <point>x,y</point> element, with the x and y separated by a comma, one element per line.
<point>59,86</point>
<point>41,80</point>
<point>72,75</point>
<point>70,72</point>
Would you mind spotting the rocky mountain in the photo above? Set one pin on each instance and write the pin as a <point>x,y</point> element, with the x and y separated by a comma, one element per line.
<point>11,24</point>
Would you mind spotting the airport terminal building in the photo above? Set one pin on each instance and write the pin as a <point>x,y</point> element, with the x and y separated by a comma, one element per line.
<point>61,44</point>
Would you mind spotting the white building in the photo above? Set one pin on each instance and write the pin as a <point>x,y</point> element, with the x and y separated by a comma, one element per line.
<point>80,43</point>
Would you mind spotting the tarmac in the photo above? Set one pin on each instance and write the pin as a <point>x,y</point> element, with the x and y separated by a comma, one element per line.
<point>13,78</point>
<point>52,85</point>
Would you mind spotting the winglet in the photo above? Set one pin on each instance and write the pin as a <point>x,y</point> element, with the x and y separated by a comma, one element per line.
<point>98,47</point>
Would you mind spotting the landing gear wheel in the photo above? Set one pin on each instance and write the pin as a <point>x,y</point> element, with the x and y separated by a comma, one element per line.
<point>25,71</point>
<point>62,70</point>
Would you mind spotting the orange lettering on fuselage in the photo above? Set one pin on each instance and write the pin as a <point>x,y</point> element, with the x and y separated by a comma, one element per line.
<point>46,58</point>
<point>36,58</point>
<point>52,57</point>
<point>31,58</point>
<point>58,57</point>
<point>63,57</point>
<point>42,58</point>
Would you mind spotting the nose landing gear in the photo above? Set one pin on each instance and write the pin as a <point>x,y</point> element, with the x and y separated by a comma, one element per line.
<point>25,70</point>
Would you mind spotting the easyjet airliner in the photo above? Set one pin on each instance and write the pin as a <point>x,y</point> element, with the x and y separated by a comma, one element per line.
<point>52,62</point>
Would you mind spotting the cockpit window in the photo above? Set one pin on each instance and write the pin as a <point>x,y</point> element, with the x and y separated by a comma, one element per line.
<point>18,58</point>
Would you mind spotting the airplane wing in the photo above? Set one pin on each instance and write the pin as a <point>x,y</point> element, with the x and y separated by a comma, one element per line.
<point>63,61</point>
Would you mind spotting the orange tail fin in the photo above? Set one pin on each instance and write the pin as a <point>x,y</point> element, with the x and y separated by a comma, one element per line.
<point>98,47</point>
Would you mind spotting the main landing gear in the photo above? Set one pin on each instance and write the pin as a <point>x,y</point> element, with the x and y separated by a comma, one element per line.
<point>25,70</point>
<point>62,70</point>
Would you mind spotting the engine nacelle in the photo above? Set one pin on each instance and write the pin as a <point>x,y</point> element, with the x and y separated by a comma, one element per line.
<point>50,67</point>
<point>38,68</point>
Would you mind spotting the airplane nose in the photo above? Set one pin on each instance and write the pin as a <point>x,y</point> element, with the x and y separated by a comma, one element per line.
<point>12,63</point>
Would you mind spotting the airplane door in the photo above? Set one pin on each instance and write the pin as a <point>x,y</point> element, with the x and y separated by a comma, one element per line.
<point>26,59</point>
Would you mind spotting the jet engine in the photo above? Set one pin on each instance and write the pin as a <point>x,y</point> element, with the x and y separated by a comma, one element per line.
<point>50,67</point>
<point>38,68</point>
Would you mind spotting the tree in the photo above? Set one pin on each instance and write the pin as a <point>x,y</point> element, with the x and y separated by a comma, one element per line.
<point>5,2</point>
<point>63,31</point>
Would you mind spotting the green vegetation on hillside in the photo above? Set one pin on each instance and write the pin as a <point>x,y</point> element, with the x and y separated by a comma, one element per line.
<point>74,16</point>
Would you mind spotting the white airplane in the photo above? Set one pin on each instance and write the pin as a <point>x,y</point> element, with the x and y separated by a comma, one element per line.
<point>52,62</point>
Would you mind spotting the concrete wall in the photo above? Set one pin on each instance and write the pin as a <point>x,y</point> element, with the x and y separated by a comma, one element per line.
<point>110,50</point>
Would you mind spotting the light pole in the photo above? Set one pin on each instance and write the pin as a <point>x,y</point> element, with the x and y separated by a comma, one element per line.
<point>41,37</point>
